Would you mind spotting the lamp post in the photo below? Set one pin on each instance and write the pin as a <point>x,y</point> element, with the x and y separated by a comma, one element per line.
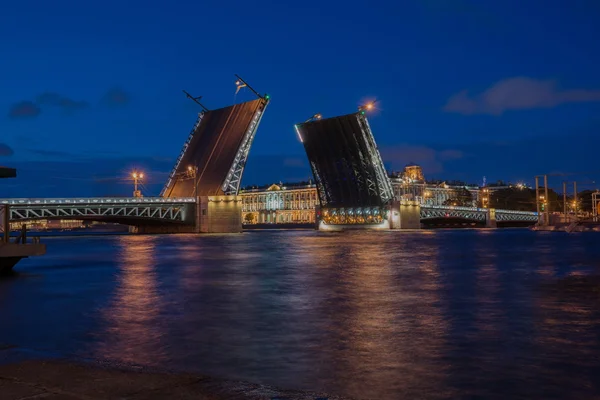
<point>137,177</point>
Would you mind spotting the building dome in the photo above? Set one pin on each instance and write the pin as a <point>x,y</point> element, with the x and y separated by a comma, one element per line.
<point>413,172</point>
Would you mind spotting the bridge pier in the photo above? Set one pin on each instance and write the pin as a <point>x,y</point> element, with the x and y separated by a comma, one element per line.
<point>490,218</point>
<point>405,215</point>
<point>219,214</point>
<point>211,214</point>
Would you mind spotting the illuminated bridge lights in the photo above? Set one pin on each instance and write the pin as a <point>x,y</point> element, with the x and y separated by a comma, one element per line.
<point>353,216</point>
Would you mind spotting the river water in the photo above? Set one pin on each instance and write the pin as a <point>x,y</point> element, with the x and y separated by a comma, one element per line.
<point>378,315</point>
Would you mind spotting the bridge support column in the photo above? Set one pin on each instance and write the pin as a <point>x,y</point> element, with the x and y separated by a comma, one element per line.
<point>220,214</point>
<point>490,218</point>
<point>405,215</point>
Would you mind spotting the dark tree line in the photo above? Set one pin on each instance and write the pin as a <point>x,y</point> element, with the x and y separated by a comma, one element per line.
<point>524,200</point>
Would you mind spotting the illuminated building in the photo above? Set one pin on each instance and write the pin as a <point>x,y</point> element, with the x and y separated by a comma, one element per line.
<point>413,173</point>
<point>44,224</point>
<point>279,204</point>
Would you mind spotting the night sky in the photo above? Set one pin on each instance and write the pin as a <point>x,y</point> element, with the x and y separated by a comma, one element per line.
<point>503,89</point>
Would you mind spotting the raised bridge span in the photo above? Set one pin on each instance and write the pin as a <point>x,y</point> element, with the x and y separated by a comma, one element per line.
<point>181,210</point>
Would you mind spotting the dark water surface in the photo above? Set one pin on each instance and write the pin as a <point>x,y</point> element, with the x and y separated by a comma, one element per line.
<point>431,314</point>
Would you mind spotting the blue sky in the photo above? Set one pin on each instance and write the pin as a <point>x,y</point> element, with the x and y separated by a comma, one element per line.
<point>503,89</point>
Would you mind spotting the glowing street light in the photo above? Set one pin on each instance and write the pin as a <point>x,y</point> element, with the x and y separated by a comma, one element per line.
<point>137,177</point>
<point>367,107</point>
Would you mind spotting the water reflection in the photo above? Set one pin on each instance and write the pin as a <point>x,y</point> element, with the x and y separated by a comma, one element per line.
<point>567,339</point>
<point>385,315</point>
<point>133,329</point>
<point>389,330</point>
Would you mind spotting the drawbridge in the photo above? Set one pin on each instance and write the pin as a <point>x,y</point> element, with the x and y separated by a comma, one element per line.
<point>352,184</point>
<point>214,155</point>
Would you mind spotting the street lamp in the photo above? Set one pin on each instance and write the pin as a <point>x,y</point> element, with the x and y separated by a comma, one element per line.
<point>367,107</point>
<point>315,117</point>
<point>137,177</point>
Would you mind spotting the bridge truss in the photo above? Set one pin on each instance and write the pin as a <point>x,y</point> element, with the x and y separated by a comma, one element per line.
<point>475,214</point>
<point>345,161</point>
<point>158,209</point>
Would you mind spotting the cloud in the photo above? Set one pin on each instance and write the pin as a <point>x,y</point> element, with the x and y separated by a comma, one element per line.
<point>518,93</point>
<point>5,150</point>
<point>116,97</point>
<point>431,160</point>
<point>24,110</point>
<point>30,109</point>
<point>64,103</point>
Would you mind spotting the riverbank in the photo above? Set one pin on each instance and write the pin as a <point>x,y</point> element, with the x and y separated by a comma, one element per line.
<point>70,380</point>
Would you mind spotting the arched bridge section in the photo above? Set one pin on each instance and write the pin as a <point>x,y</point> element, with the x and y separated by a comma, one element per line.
<point>124,210</point>
<point>466,213</point>
<point>214,155</point>
<point>476,214</point>
<point>352,184</point>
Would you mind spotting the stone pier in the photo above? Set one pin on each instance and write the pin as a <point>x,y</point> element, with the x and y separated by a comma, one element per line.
<point>490,218</point>
<point>409,215</point>
<point>212,214</point>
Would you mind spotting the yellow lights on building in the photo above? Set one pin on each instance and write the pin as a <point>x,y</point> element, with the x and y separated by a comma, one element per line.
<point>279,204</point>
<point>52,224</point>
<point>413,173</point>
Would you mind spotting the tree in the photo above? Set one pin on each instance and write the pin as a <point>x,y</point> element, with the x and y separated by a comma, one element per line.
<point>585,200</point>
<point>249,218</point>
<point>523,199</point>
<point>460,197</point>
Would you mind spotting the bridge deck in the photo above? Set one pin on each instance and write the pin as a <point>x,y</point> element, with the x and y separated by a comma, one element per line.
<point>345,162</point>
<point>216,151</point>
<point>127,210</point>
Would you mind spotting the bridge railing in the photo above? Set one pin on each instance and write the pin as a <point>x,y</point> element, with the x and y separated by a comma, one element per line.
<point>98,200</point>
<point>459,208</point>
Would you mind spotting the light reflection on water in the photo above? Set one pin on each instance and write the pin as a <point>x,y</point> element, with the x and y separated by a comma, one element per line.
<point>434,314</point>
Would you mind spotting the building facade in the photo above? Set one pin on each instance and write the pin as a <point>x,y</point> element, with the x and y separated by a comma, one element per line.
<point>295,204</point>
<point>279,204</point>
